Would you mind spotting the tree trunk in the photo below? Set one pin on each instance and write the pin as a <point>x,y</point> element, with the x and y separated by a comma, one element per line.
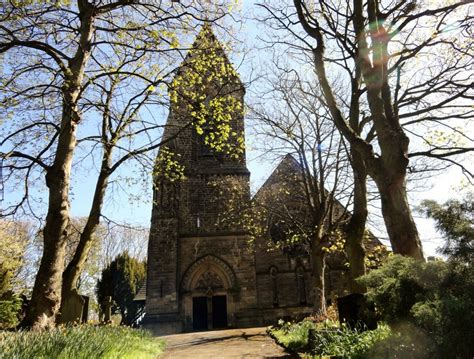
<point>356,255</point>
<point>46,295</point>
<point>76,266</point>
<point>400,225</point>
<point>390,176</point>
<point>392,141</point>
<point>318,266</point>
<point>389,173</point>
<point>355,230</point>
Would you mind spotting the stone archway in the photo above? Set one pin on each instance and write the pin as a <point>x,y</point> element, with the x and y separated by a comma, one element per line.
<point>208,263</point>
<point>206,290</point>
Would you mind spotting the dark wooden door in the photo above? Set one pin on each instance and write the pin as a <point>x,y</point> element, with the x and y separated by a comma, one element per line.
<point>200,313</point>
<point>219,311</point>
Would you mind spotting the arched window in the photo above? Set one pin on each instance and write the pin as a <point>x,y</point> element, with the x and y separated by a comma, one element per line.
<point>274,278</point>
<point>301,285</point>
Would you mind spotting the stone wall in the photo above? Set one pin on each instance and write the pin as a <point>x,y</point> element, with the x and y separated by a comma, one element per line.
<point>161,274</point>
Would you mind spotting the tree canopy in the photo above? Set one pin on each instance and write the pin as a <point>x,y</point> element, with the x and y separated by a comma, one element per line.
<point>95,65</point>
<point>379,69</point>
<point>121,280</point>
<point>455,220</point>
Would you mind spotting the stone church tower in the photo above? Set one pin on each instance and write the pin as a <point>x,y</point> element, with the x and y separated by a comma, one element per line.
<point>200,274</point>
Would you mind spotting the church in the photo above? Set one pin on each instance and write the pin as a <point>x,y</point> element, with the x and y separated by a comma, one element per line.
<point>203,274</point>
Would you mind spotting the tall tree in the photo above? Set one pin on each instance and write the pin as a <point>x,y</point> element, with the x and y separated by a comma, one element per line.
<point>121,280</point>
<point>455,219</point>
<point>308,201</point>
<point>370,46</point>
<point>305,98</point>
<point>74,51</point>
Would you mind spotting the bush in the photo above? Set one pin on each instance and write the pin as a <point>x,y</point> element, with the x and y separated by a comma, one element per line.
<point>293,336</point>
<point>10,307</point>
<point>400,283</point>
<point>406,341</point>
<point>88,342</point>
<point>121,280</point>
<point>345,342</point>
<point>328,339</point>
<point>434,296</point>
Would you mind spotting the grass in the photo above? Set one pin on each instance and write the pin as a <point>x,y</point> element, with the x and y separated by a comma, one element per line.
<point>328,339</point>
<point>293,336</point>
<point>87,342</point>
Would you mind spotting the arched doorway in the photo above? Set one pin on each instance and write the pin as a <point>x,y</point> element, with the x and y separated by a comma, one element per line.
<point>206,289</point>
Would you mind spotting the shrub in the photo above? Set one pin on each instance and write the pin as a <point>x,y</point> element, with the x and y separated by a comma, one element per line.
<point>400,283</point>
<point>434,296</point>
<point>88,342</point>
<point>327,338</point>
<point>406,341</point>
<point>293,336</point>
<point>10,307</point>
<point>345,342</point>
<point>121,280</point>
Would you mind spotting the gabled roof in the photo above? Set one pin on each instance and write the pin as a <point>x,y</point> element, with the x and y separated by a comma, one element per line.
<point>290,165</point>
<point>287,164</point>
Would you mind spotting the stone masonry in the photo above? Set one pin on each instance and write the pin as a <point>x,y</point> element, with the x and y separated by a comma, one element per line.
<point>202,274</point>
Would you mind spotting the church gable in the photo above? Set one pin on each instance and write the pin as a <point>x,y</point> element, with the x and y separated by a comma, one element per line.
<point>279,248</point>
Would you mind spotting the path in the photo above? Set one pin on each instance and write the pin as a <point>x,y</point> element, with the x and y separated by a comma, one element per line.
<point>231,343</point>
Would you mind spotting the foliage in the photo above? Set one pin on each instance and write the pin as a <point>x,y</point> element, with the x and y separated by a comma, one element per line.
<point>109,240</point>
<point>238,211</point>
<point>121,280</point>
<point>455,219</point>
<point>328,338</point>
<point>205,88</point>
<point>331,314</point>
<point>293,336</point>
<point>347,343</point>
<point>10,307</point>
<point>14,237</point>
<point>407,341</point>
<point>96,66</point>
<point>80,342</point>
<point>168,165</point>
<point>375,254</point>
<point>398,285</point>
<point>434,296</point>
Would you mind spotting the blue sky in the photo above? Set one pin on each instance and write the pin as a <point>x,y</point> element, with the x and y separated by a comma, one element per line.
<point>120,207</point>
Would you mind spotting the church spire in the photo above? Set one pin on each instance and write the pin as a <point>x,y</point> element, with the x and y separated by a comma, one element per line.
<point>208,94</point>
<point>209,53</point>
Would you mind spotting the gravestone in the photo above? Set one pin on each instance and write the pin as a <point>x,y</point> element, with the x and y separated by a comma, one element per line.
<point>73,308</point>
<point>356,312</point>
